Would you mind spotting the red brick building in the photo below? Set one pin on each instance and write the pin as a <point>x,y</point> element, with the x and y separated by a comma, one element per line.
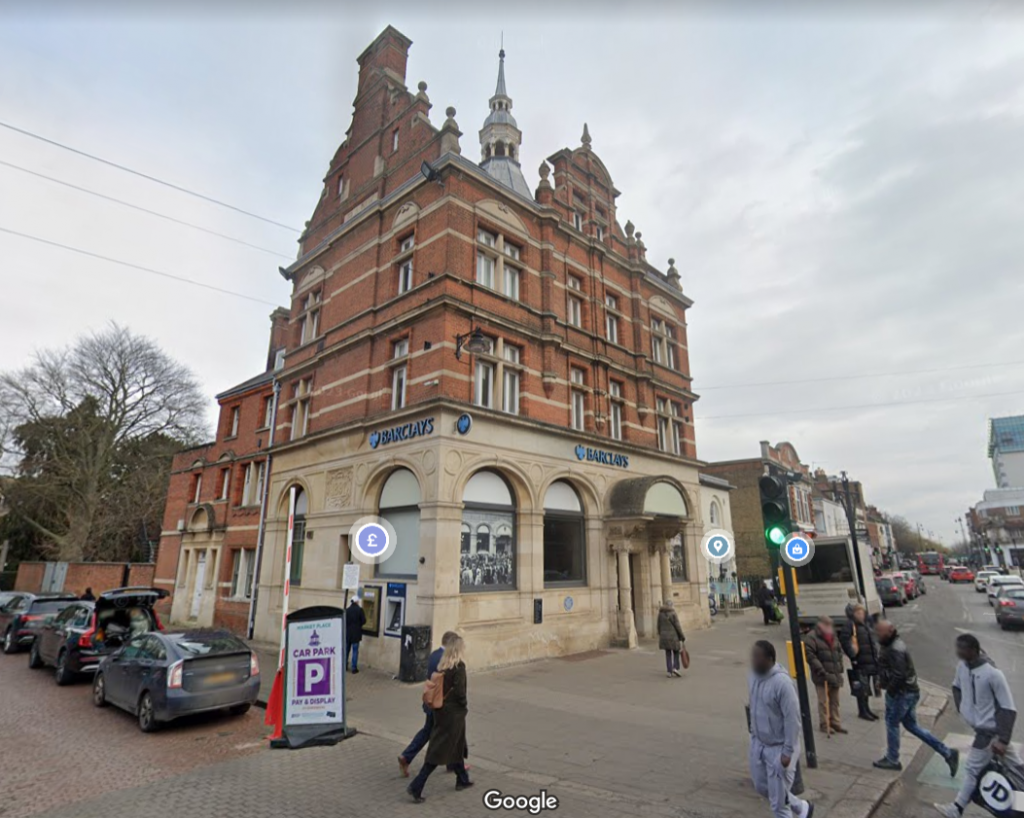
<point>550,464</point>
<point>207,555</point>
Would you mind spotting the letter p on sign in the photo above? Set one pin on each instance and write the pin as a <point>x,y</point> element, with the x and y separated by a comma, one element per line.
<point>314,677</point>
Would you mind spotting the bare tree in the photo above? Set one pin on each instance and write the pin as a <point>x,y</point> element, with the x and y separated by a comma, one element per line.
<point>74,421</point>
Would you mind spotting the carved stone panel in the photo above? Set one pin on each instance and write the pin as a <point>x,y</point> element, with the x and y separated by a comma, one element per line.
<point>339,489</point>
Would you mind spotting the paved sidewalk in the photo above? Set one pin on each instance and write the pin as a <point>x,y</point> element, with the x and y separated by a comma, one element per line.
<point>610,726</point>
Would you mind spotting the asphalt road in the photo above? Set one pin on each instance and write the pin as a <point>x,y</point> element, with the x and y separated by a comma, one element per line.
<point>929,626</point>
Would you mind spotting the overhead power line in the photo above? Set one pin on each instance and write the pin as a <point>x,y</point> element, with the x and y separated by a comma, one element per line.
<point>142,175</point>
<point>129,264</point>
<point>145,210</point>
<point>857,377</point>
<point>859,406</point>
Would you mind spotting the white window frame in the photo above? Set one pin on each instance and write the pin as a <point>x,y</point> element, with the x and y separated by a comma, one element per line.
<point>394,141</point>
<point>485,265</point>
<point>242,569</point>
<point>246,484</point>
<point>615,421</point>
<point>310,326</point>
<point>225,483</point>
<point>611,327</point>
<point>341,186</point>
<point>577,220</point>
<point>487,238</point>
<point>398,383</point>
<point>510,379</point>
<point>575,311</point>
<point>599,230</point>
<point>577,411</point>
<point>268,411</point>
<point>483,384</point>
<point>510,391</point>
<point>199,488</point>
<point>236,414</point>
<point>405,276</point>
<point>279,359</point>
<point>511,282</point>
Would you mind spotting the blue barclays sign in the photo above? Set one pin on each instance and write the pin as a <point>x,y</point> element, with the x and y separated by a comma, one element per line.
<point>602,457</point>
<point>406,431</point>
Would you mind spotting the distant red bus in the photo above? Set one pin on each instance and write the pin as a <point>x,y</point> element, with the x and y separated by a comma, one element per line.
<point>930,562</point>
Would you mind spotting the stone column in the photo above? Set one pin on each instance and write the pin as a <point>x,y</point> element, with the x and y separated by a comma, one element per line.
<point>666,571</point>
<point>626,623</point>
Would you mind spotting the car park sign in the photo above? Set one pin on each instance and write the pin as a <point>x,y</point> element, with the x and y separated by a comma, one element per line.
<point>316,672</point>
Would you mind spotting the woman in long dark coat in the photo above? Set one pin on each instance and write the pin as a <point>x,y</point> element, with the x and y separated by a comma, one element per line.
<point>861,645</point>
<point>447,745</point>
<point>670,637</point>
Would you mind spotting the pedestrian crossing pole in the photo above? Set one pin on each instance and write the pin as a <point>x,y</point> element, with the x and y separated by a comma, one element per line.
<point>774,488</point>
<point>788,578</point>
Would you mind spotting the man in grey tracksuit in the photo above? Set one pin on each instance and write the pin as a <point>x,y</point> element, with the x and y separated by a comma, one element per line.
<point>774,734</point>
<point>984,701</point>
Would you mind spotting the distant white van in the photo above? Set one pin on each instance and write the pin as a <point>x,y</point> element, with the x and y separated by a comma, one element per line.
<point>828,583</point>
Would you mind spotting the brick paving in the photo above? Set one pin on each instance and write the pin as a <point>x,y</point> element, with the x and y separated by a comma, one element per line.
<point>607,734</point>
<point>57,748</point>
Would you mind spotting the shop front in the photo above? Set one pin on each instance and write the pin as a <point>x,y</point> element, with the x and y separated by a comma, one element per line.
<point>522,538</point>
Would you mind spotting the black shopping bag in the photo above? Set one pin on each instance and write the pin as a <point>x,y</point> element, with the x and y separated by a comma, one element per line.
<point>856,683</point>
<point>1001,789</point>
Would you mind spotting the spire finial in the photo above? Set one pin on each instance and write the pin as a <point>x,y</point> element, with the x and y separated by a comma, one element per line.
<point>499,91</point>
<point>585,139</point>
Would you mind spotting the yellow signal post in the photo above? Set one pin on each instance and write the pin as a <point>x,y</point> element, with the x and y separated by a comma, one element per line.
<point>792,664</point>
<point>782,583</point>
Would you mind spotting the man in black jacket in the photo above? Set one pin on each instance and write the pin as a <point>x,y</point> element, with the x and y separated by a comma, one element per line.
<point>902,693</point>
<point>765,600</point>
<point>355,618</point>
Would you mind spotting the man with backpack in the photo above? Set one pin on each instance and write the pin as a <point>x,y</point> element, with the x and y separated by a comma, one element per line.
<point>419,741</point>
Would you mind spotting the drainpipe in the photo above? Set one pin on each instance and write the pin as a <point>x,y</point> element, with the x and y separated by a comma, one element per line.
<point>261,535</point>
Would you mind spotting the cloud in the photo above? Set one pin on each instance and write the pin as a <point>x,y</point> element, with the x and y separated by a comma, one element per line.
<point>841,196</point>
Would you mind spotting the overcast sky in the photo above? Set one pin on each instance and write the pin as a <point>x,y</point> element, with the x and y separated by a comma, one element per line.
<point>843,197</point>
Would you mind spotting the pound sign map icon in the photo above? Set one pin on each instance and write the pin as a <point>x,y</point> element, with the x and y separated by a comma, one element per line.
<point>372,540</point>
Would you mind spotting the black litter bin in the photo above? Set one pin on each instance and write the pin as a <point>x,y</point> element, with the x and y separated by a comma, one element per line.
<point>412,666</point>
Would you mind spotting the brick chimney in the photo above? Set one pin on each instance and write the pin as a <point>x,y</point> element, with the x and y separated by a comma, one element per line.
<point>387,55</point>
<point>279,331</point>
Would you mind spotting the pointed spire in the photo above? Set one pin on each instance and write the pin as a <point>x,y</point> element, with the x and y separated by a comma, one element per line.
<point>585,139</point>
<point>499,91</point>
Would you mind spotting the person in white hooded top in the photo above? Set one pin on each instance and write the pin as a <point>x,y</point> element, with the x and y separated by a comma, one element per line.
<point>984,701</point>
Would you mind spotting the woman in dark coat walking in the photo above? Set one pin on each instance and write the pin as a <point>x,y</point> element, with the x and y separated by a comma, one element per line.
<point>861,645</point>
<point>447,745</point>
<point>670,637</point>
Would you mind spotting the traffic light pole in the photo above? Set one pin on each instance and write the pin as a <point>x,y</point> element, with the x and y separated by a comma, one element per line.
<point>800,669</point>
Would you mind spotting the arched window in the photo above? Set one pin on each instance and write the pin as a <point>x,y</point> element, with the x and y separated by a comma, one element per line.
<point>565,541</point>
<point>298,534</point>
<point>716,513</point>
<point>400,506</point>
<point>489,512</point>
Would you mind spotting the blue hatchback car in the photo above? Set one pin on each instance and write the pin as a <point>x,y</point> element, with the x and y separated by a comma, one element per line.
<point>160,676</point>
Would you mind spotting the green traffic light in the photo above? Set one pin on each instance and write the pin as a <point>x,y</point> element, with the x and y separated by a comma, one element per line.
<point>776,535</point>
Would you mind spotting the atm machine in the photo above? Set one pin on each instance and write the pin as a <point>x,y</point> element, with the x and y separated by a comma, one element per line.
<point>394,609</point>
